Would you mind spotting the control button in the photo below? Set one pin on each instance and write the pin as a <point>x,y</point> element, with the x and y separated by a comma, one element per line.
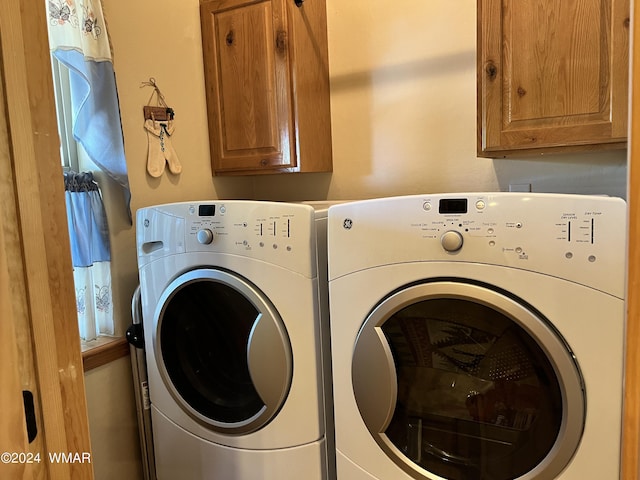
<point>480,204</point>
<point>451,241</point>
<point>490,231</point>
<point>205,236</point>
<point>426,206</point>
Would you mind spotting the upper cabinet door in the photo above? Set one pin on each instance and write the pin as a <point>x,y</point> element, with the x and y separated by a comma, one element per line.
<point>267,84</point>
<point>248,84</point>
<point>552,75</point>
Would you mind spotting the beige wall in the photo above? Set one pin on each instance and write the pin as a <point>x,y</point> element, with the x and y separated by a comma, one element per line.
<point>113,429</point>
<point>403,100</point>
<point>403,119</point>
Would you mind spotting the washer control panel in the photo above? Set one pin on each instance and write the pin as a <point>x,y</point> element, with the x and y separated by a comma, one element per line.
<point>279,233</point>
<point>577,237</point>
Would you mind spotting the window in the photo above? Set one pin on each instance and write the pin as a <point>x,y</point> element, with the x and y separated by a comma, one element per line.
<point>91,142</point>
<point>68,145</point>
<point>87,222</point>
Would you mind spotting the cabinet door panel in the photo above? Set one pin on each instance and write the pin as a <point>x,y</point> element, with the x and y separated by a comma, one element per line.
<point>551,74</point>
<point>553,71</point>
<point>248,84</point>
<point>246,77</point>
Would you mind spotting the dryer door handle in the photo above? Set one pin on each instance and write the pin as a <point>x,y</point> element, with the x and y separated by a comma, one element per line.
<point>270,361</point>
<point>375,383</point>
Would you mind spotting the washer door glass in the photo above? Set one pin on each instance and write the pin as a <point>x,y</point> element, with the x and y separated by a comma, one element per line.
<point>464,382</point>
<point>223,351</point>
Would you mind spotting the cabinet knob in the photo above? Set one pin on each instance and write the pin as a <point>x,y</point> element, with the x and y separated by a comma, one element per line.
<point>299,3</point>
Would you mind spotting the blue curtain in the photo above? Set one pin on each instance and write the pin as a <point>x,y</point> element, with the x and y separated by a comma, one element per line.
<point>90,254</point>
<point>78,39</point>
<point>96,114</point>
<point>88,228</point>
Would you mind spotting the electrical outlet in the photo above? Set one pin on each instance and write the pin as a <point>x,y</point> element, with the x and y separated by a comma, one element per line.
<point>519,187</point>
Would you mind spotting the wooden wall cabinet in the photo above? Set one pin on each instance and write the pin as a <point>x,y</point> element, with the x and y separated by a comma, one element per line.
<point>267,85</point>
<point>552,76</point>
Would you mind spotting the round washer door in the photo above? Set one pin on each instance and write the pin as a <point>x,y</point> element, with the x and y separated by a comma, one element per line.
<point>464,382</point>
<point>222,351</point>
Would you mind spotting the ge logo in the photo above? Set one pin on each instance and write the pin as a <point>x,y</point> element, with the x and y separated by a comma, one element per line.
<point>146,222</point>
<point>347,224</point>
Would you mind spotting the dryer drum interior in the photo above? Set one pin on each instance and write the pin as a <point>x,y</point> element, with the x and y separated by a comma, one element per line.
<point>478,385</point>
<point>225,354</point>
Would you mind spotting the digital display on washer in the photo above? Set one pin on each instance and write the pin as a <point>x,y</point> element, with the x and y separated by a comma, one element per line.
<point>453,205</point>
<point>207,210</point>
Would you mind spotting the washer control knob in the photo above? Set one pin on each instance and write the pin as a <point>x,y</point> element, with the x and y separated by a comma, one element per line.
<point>451,241</point>
<point>205,236</point>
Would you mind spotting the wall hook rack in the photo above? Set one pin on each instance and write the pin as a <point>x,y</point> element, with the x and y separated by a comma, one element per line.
<point>161,111</point>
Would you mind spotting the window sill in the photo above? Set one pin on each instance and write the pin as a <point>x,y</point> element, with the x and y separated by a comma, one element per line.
<point>102,351</point>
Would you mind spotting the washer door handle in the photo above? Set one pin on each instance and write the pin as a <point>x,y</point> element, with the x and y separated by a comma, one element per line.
<point>375,383</point>
<point>270,361</point>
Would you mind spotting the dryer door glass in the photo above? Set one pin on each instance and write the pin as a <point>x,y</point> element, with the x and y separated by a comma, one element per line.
<point>225,353</point>
<point>480,386</point>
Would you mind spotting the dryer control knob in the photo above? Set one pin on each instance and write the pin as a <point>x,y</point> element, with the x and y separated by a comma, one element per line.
<point>205,236</point>
<point>451,241</point>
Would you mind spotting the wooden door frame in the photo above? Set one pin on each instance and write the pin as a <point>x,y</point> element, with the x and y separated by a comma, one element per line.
<point>31,154</point>
<point>631,419</point>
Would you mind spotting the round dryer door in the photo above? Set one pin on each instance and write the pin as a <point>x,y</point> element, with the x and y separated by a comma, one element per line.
<point>222,351</point>
<point>464,382</point>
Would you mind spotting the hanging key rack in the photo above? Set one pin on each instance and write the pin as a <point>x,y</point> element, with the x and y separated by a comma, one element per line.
<point>160,111</point>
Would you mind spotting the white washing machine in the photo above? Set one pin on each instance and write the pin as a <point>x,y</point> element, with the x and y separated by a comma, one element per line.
<point>478,336</point>
<point>234,305</point>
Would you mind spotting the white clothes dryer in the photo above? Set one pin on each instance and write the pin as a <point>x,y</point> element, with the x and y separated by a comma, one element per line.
<point>234,304</point>
<point>478,336</point>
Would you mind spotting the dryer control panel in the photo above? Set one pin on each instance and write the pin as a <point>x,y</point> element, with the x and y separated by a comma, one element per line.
<point>278,233</point>
<point>577,237</point>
